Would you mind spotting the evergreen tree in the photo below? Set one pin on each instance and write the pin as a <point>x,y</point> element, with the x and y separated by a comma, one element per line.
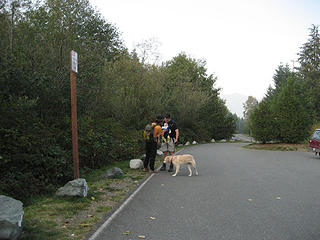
<point>309,59</point>
<point>290,114</point>
<point>280,77</point>
<point>263,124</point>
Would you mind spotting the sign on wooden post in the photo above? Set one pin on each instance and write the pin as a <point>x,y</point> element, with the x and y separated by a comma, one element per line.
<point>73,71</point>
<point>74,61</point>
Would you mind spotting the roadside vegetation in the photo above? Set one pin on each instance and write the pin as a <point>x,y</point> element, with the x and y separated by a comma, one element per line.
<point>290,110</point>
<point>50,217</point>
<point>279,147</point>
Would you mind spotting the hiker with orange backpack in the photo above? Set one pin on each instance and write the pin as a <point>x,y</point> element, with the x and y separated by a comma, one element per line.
<point>152,135</point>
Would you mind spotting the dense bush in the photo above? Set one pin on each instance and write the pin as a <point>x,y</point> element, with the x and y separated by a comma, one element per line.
<point>31,159</point>
<point>104,141</point>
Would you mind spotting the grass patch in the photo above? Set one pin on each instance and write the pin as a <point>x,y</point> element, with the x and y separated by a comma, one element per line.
<point>104,208</point>
<point>117,198</point>
<point>53,218</point>
<point>279,147</point>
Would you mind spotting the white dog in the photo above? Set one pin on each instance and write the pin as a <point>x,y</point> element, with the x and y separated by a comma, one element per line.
<point>179,160</point>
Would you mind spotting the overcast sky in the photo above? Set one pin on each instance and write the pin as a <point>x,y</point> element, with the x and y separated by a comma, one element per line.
<point>243,42</point>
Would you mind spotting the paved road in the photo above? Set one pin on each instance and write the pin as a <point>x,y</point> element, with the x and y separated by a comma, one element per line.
<point>242,137</point>
<point>239,194</point>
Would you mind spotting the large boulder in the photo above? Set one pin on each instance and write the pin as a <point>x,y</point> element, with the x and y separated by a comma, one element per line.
<point>9,231</point>
<point>74,188</point>
<point>136,164</point>
<point>11,215</point>
<point>113,173</point>
<point>212,140</point>
<point>194,143</point>
<point>187,144</point>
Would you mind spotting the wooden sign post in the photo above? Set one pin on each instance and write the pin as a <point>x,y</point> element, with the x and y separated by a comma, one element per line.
<point>73,71</point>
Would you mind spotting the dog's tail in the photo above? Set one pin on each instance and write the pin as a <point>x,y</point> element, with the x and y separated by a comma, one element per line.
<point>194,165</point>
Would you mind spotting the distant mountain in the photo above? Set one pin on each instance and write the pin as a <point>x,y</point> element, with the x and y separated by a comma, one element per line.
<point>235,102</point>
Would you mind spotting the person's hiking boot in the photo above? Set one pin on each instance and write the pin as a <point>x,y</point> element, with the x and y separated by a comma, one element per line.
<point>170,168</point>
<point>163,168</point>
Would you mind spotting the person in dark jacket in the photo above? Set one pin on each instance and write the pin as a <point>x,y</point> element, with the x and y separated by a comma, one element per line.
<point>152,141</point>
<point>170,138</point>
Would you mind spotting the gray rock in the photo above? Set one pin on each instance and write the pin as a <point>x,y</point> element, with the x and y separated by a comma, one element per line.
<point>113,172</point>
<point>160,153</point>
<point>136,163</point>
<point>187,144</point>
<point>194,142</point>
<point>213,141</point>
<point>223,140</point>
<point>9,231</point>
<point>74,188</point>
<point>11,215</point>
<point>11,210</point>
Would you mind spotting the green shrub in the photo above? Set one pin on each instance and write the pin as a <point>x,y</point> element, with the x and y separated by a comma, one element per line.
<point>104,141</point>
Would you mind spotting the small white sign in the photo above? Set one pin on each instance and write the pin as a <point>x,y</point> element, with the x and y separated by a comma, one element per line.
<point>74,61</point>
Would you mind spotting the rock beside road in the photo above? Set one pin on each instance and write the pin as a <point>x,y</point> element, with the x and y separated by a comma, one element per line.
<point>113,173</point>
<point>136,164</point>
<point>74,188</point>
<point>9,231</point>
<point>11,215</point>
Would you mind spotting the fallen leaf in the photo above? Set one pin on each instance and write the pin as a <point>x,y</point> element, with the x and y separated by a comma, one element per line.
<point>162,184</point>
<point>126,232</point>
<point>278,198</point>
<point>250,199</point>
<point>92,198</point>
<point>142,236</point>
<point>153,218</point>
<point>90,215</point>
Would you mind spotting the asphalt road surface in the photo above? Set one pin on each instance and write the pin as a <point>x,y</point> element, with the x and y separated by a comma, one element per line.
<point>242,137</point>
<point>239,194</point>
